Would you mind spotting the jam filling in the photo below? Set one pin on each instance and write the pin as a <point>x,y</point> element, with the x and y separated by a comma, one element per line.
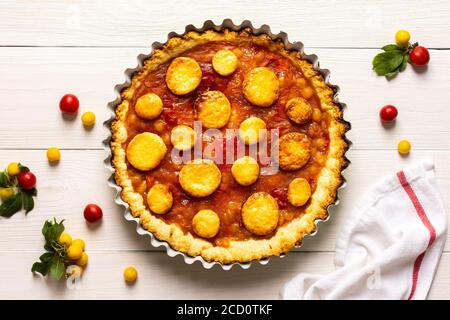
<point>228,199</point>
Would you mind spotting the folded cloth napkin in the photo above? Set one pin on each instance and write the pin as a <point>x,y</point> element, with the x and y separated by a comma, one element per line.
<point>390,246</point>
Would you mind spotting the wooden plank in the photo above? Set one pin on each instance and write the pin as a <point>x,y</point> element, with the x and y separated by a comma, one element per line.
<point>161,277</point>
<point>34,79</point>
<point>80,178</point>
<point>138,23</point>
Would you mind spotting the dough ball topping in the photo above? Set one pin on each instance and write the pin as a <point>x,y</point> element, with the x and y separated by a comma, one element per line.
<point>299,192</point>
<point>260,213</point>
<point>183,75</point>
<point>224,62</point>
<point>149,106</point>
<point>145,151</point>
<point>159,199</point>
<point>261,87</point>
<point>206,223</point>
<point>294,150</point>
<point>200,177</point>
<point>213,109</point>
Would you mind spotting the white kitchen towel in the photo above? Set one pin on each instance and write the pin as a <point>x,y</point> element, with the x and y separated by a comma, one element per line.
<point>389,247</point>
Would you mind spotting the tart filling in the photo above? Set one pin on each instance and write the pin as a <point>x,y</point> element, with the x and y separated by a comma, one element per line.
<point>234,211</point>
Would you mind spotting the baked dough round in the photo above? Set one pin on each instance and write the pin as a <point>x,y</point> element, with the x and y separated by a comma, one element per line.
<point>149,106</point>
<point>245,170</point>
<point>261,87</point>
<point>249,130</point>
<point>299,110</point>
<point>213,109</point>
<point>206,223</point>
<point>260,213</point>
<point>145,151</point>
<point>299,192</point>
<point>159,199</point>
<point>224,62</point>
<point>183,75</point>
<point>295,150</point>
<point>200,177</point>
<point>182,137</point>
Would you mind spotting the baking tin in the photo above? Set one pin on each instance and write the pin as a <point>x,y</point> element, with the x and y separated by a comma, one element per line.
<point>209,25</point>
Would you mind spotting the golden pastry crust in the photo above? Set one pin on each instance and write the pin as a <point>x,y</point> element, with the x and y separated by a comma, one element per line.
<point>213,109</point>
<point>295,150</point>
<point>145,151</point>
<point>206,223</point>
<point>286,236</point>
<point>299,110</point>
<point>200,178</point>
<point>183,75</point>
<point>260,213</point>
<point>261,87</point>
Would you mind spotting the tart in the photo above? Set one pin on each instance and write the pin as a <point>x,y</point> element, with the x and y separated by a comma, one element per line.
<point>216,204</point>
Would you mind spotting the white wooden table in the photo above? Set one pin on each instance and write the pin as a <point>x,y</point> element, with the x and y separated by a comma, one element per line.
<point>49,48</point>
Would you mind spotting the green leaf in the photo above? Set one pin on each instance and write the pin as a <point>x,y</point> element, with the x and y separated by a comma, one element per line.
<point>57,268</point>
<point>23,168</point>
<point>392,47</point>
<point>387,62</point>
<point>4,180</point>
<point>404,63</point>
<point>28,202</point>
<point>40,267</point>
<point>11,206</point>
<point>392,74</point>
<point>31,192</point>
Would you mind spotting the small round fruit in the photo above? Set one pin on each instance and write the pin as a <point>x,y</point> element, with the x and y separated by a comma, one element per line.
<point>206,223</point>
<point>388,113</point>
<point>79,242</point>
<point>93,213</point>
<point>53,154</point>
<point>402,38</point>
<point>88,119</point>
<point>404,147</point>
<point>224,62</point>
<point>65,239</point>
<point>69,103</point>
<point>82,262</point>
<point>419,56</point>
<point>149,106</point>
<point>74,252</point>
<point>130,274</point>
<point>6,193</point>
<point>27,180</point>
<point>13,169</point>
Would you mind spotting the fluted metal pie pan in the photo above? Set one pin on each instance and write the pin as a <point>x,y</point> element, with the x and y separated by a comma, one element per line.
<point>209,25</point>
